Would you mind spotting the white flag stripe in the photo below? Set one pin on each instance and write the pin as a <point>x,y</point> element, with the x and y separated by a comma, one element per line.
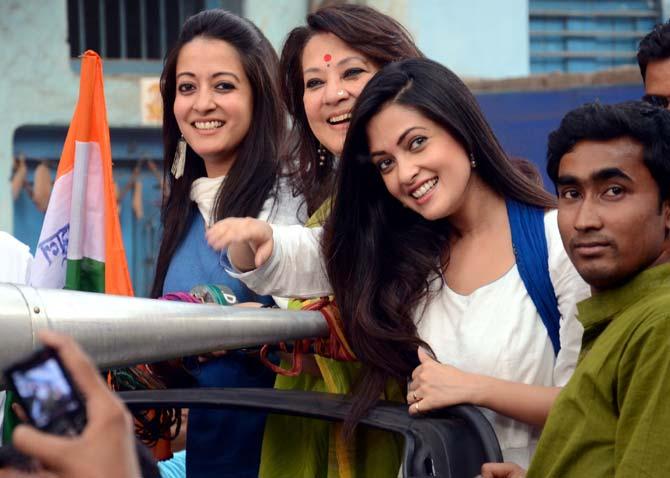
<point>48,268</point>
<point>78,210</point>
<point>87,217</point>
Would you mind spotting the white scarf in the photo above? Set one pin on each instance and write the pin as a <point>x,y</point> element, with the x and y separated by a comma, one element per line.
<point>203,193</point>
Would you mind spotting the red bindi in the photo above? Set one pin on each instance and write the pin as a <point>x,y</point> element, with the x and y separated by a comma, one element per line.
<point>327,57</point>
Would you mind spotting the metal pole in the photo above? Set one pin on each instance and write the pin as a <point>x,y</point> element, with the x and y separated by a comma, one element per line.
<point>119,331</point>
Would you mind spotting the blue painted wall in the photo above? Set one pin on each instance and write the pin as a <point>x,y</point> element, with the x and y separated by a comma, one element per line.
<point>523,121</point>
<point>131,148</point>
<point>140,235</point>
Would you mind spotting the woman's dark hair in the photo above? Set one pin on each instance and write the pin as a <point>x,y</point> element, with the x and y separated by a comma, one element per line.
<point>380,255</point>
<point>653,47</point>
<point>528,169</point>
<point>252,177</point>
<point>641,121</point>
<point>377,36</point>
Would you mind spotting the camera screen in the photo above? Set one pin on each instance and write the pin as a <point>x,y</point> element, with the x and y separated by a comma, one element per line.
<point>45,392</point>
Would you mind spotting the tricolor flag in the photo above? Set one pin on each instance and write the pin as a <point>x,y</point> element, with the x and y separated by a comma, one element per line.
<point>80,245</point>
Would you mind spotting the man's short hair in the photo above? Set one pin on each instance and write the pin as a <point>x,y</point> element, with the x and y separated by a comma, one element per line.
<point>654,46</point>
<point>647,124</point>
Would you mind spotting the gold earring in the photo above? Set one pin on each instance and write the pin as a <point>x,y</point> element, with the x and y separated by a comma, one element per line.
<point>179,159</point>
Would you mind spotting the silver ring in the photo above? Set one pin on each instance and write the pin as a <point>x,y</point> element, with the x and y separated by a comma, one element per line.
<point>340,93</point>
<point>416,405</point>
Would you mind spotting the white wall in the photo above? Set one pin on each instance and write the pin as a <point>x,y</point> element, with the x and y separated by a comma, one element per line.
<point>475,38</point>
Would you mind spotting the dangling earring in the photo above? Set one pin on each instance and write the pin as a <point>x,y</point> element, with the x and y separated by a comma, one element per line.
<point>473,162</point>
<point>179,158</point>
<point>321,151</point>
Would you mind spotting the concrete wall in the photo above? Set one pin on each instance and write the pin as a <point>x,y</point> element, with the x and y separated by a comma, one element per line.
<point>38,85</point>
<point>477,38</point>
<point>276,17</point>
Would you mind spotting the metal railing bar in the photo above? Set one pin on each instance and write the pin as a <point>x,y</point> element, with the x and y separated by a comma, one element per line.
<point>143,29</point>
<point>102,27</point>
<point>596,14</point>
<point>584,54</point>
<point>587,34</point>
<point>123,40</point>
<point>82,26</point>
<point>163,31</point>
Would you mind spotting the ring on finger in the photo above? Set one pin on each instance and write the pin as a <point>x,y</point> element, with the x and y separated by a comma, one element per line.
<point>416,406</point>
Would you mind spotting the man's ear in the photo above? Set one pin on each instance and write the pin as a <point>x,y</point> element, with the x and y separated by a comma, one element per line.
<point>665,210</point>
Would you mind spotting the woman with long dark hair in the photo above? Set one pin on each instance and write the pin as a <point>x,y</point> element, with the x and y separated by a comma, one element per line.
<point>445,260</point>
<point>222,125</point>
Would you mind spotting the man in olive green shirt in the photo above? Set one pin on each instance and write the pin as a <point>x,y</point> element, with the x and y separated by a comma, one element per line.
<point>611,167</point>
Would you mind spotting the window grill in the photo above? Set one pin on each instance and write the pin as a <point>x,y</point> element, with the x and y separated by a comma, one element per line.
<point>132,29</point>
<point>582,36</point>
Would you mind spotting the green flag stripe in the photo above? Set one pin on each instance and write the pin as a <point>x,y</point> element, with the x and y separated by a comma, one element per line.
<point>85,274</point>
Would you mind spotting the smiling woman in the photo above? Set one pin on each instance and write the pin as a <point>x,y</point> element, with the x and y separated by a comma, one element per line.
<point>400,134</point>
<point>324,66</point>
<point>332,86</point>
<point>218,80</point>
<point>214,102</point>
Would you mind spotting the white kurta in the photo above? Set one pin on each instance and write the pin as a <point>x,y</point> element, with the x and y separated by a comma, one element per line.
<point>495,331</point>
<point>15,258</point>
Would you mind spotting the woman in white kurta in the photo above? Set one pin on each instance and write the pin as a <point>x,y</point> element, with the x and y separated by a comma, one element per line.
<point>418,250</point>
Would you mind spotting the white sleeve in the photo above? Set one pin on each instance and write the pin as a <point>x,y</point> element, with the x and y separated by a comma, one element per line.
<point>285,209</point>
<point>295,268</point>
<point>16,259</point>
<point>570,289</point>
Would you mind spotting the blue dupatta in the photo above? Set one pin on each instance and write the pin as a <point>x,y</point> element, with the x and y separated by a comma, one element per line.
<point>532,259</point>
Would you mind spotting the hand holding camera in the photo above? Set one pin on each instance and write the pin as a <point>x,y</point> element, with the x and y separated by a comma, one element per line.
<point>95,431</point>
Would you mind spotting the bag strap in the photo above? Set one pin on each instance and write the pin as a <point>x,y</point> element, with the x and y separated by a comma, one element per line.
<point>532,259</point>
